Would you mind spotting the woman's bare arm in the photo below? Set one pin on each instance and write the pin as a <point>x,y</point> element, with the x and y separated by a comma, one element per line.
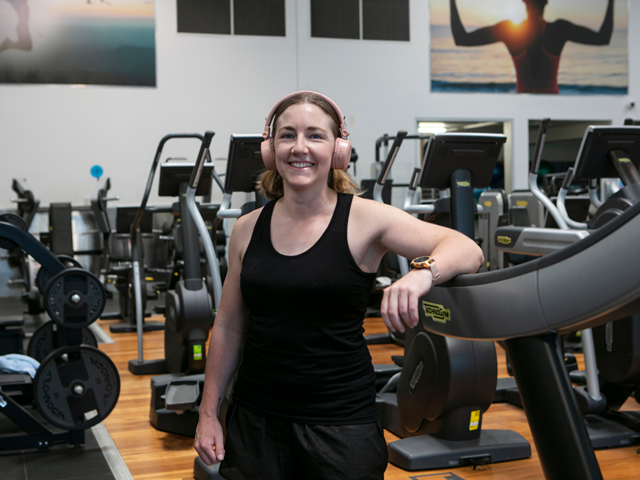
<point>225,348</point>
<point>391,229</point>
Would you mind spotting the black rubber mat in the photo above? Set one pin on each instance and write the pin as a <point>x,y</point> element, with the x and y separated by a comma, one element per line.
<point>61,462</point>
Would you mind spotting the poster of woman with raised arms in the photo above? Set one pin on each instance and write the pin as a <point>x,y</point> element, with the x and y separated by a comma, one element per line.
<point>565,47</point>
<point>103,42</point>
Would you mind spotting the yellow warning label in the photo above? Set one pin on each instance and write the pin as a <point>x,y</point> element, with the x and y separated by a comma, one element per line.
<point>463,184</point>
<point>487,203</point>
<point>474,423</point>
<point>437,312</point>
<point>624,160</point>
<point>504,240</point>
<point>522,203</point>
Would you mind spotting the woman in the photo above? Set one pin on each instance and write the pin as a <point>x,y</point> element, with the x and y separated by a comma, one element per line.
<point>535,45</point>
<point>293,302</point>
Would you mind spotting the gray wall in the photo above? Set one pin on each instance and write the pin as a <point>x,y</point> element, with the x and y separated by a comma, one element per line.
<point>53,134</point>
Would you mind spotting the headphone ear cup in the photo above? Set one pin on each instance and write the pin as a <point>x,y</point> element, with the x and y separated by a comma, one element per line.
<point>268,155</point>
<point>341,154</point>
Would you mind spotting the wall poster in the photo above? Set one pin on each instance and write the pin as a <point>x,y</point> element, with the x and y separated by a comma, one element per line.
<point>99,42</point>
<point>565,47</point>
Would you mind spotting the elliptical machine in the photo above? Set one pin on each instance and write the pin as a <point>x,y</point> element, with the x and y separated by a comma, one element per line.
<point>189,308</point>
<point>175,397</point>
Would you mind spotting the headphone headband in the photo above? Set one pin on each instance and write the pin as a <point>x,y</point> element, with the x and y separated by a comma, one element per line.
<point>269,119</point>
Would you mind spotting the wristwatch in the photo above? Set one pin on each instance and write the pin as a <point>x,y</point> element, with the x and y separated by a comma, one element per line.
<point>426,262</point>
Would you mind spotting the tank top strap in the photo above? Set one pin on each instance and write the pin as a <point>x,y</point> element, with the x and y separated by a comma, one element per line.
<point>338,226</point>
<point>262,229</point>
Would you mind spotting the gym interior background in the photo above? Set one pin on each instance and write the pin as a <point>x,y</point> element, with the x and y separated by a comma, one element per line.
<point>226,81</point>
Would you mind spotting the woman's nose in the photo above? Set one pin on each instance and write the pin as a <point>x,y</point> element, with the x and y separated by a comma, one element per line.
<point>301,144</point>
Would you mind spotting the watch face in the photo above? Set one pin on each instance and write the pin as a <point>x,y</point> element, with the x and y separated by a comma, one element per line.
<point>421,259</point>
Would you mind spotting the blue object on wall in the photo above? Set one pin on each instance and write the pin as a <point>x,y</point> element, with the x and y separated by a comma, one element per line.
<point>96,171</point>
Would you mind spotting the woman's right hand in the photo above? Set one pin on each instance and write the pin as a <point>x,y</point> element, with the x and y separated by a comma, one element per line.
<point>209,441</point>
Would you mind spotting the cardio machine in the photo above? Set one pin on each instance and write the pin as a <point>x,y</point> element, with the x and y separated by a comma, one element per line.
<point>550,296</point>
<point>189,309</point>
<point>175,397</point>
<point>611,366</point>
<point>446,384</point>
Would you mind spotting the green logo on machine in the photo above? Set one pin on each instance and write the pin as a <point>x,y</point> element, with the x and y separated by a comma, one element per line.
<point>504,240</point>
<point>437,312</point>
<point>197,352</point>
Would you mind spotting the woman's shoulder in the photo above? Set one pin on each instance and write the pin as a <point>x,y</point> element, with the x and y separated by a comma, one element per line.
<point>243,228</point>
<point>371,210</point>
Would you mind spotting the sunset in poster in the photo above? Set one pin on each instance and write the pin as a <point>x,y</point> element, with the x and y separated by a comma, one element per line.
<point>529,46</point>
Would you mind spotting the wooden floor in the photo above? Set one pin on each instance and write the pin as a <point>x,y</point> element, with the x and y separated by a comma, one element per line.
<point>150,454</point>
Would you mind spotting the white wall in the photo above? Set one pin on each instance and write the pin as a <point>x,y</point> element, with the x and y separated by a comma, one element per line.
<point>52,135</point>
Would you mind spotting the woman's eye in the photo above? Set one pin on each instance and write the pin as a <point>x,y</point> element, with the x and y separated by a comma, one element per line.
<point>287,135</point>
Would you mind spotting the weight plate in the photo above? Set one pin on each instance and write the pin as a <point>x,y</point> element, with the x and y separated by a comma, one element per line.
<point>43,276</point>
<point>76,387</point>
<point>16,221</point>
<point>45,340</point>
<point>74,298</point>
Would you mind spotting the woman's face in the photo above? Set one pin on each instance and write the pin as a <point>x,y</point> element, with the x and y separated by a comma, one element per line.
<point>304,143</point>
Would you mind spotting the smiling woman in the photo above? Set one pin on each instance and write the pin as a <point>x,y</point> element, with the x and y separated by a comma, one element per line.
<point>270,183</point>
<point>291,316</point>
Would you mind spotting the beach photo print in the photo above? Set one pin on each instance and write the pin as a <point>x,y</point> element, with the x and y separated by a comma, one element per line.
<point>565,47</point>
<point>89,42</point>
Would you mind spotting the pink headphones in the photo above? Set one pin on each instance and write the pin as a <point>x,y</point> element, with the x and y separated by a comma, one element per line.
<point>341,151</point>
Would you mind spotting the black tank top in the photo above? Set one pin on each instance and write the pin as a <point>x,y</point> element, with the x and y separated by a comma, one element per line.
<point>305,358</point>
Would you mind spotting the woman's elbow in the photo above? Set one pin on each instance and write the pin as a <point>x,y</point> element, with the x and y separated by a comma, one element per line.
<point>477,259</point>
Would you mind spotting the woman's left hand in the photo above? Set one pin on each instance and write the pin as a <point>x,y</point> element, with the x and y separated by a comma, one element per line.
<point>400,300</point>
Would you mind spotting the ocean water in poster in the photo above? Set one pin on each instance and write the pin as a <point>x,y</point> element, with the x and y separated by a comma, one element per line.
<point>99,42</point>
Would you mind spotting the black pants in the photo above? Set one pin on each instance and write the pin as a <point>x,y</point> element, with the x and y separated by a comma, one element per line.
<point>260,448</point>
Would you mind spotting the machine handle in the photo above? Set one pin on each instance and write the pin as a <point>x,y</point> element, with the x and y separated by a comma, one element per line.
<point>202,156</point>
<point>386,167</point>
<point>537,153</point>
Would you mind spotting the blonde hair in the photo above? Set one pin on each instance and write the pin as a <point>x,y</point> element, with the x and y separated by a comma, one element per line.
<point>270,182</point>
